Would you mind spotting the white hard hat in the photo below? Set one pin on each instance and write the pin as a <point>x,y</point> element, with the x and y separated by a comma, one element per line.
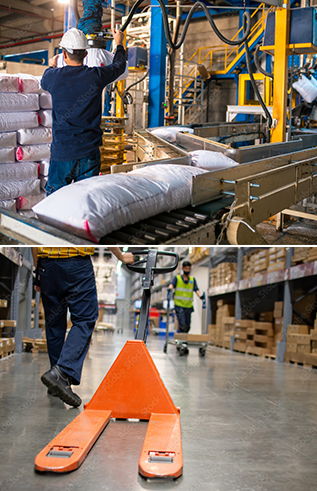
<point>74,39</point>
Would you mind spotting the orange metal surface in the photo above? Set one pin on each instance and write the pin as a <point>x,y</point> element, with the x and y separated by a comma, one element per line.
<point>78,437</point>
<point>163,441</point>
<point>132,388</point>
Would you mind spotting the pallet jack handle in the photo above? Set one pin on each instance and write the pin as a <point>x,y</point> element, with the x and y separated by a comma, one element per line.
<point>149,270</point>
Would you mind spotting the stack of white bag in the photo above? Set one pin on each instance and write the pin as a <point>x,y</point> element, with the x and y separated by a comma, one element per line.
<point>94,207</point>
<point>23,141</point>
<point>306,88</point>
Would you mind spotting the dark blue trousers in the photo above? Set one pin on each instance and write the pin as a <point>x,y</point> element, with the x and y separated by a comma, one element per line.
<point>69,283</point>
<point>183,315</point>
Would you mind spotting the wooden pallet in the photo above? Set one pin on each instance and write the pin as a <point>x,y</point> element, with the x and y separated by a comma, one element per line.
<point>34,345</point>
<point>301,359</point>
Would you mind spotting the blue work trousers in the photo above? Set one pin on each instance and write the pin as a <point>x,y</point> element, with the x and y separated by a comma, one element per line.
<point>69,283</point>
<point>183,315</point>
<point>62,173</point>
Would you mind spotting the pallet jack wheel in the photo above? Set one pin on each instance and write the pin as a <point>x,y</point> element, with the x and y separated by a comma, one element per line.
<point>202,351</point>
<point>165,348</point>
<point>183,351</point>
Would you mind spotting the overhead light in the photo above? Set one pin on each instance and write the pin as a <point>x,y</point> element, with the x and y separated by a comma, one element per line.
<point>65,2</point>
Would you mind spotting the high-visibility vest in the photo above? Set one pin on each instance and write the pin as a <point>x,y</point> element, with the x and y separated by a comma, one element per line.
<point>184,292</point>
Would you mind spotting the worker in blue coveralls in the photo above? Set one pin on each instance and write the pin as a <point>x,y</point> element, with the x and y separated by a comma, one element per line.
<point>185,286</point>
<point>76,97</point>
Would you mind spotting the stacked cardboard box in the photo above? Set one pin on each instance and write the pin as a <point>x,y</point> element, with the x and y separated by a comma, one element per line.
<point>8,327</point>
<point>224,311</point>
<point>298,339</point>
<point>277,259</point>
<point>260,262</point>
<point>212,333</point>
<point>228,330</point>
<point>312,254</point>
<point>8,346</point>
<point>223,274</point>
<point>199,253</point>
<point>241,334</point>
<point>247,268</point>
<point>263,338</point>
<point>300,254</point>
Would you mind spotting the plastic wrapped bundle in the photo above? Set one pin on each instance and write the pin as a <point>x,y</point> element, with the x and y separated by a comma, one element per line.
<point>306,89</point>
<point>33,136</point>
<point>204,159</point>
<point>95,207</point>
<point>7,155</point>
<point>9,83</point>
<point>96,57</point>
<point>17,121</point>
<point>46,100</point>
<point>8,204</point>
<point>19,172</point>
<point>27,202</point>
<point>46,118</point>
<point>33,152</point>
<point>30,84</point>
<point>19,102</point>
<point>8,139</point>
<point>44,167</point>
<point>168,133</point>
<point>15,189</point>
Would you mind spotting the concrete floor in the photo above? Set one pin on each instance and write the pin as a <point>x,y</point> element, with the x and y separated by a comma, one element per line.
<point>247,423</point>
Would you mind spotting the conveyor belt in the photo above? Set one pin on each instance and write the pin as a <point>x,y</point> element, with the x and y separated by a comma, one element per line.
<point>158,229</point>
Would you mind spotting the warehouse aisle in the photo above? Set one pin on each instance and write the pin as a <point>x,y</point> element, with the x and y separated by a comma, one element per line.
<point>247,423</point>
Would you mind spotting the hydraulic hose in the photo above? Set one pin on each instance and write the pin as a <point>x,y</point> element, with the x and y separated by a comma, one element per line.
<point>126,96</point>
<point>258,64</point>
<point>196,6</point>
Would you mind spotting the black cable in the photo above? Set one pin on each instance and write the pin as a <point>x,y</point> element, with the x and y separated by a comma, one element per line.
<point>126,97</point>
<point>196,6</point>
<point>258,64</point>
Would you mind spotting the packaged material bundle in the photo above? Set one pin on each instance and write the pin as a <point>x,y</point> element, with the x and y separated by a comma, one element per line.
<point>168,133</point>
<point>19,102</point>
<point>7,155</point>
<point>17,121</point>
<point>46,100</point>
<point>8,204</point>
<point>46,118</point>
<point>33,152</point>
<point>96,57</point>
<point>15,189</point>
<point>211,160</point>
<point>27,202</point>
<point>29,84</point>
<point>33,136</point>
<point>95,207</point>
<point>306,88</point>
<point>44,166</point>
<point>43,181</point>
<point>9,83</point>
<point>19,172</point>
<point>8,139</point>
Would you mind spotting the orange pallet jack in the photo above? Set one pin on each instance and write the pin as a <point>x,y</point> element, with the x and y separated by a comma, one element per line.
<point>132,388</point>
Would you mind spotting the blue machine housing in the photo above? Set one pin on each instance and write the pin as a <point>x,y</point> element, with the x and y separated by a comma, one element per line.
<point>137,57</point>
<point>303,27</point>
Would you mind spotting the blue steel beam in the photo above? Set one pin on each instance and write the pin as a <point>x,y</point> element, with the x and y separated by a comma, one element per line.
<point>158,51</point>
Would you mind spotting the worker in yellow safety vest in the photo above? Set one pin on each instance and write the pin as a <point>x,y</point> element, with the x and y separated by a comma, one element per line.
<point>185,286</point>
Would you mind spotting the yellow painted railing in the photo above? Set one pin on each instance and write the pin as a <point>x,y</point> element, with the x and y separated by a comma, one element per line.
<point>221,59</point>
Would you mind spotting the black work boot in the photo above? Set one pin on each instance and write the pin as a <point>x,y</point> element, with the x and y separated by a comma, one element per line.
<point>58,382</point>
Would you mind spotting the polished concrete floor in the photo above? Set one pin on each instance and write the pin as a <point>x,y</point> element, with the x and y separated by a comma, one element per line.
<point>247,423</point>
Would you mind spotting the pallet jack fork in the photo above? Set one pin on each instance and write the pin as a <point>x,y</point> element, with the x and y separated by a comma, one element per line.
<point>132,388</point>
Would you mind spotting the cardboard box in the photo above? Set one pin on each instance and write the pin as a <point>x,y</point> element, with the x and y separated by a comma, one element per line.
<point>291,348</point>
<point>240,335</point>
<point>292,338</point>
<point>304,340</point>
<point>263,339</point>
<point>297,329</point>
<point>244,323</point>
<point>278,313</point>
<point>278,324</point>
<point>200,338</point>
<point>278,337</point>
<point>9,323</point>
<point>314,344</point>
<point>3,304</point>
<point>303,348</point>
<point>266,317</point>
<point>278,305</point>
<point>251,331</point>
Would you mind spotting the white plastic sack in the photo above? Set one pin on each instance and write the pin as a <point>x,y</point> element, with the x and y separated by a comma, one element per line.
<point>19,172</point>
<point>204,159</point>
<point>46,100</point>
<point>15,189</point>
<point>306,89</point>
<point>46,117</point>
<point>9,83</point>
<point>96,57</point>
<point>8,139</point>
<point>168,133</point>
<point>8,204</point>
<point>27,213</point>
<point>43,180</point>
<point>94,207</point>
<point>17,121</point>
<point>7,155</point>
<point>44,167</point>
<point>33,152</point>
<point>30,84</point>
<point>33,136</point>
<point>19,102</point>
<point>27,202</point>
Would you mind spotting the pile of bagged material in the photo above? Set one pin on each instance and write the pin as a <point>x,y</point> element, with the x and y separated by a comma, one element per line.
<point>307,88</point>
<point>25,137</point>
